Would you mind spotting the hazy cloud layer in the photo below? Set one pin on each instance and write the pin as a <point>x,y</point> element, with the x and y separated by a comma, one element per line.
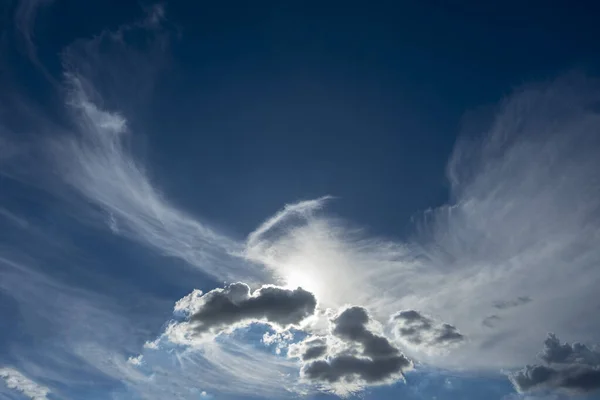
<point>570,367</point>
<point>491,320</point>
<point>502,305</point>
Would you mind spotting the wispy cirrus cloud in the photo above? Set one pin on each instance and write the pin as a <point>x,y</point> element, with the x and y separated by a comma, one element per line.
<point>95,160</point>
<point>26,12</point>
<point>17,381</point>
<point>96,163</point>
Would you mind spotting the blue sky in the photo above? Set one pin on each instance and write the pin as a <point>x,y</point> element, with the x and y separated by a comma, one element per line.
<point>252,200</point>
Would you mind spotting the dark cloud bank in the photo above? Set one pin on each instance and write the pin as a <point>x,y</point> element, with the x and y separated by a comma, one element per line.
<point>570,367</point>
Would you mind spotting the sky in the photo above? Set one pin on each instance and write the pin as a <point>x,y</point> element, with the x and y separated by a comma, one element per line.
<point>304,200</point>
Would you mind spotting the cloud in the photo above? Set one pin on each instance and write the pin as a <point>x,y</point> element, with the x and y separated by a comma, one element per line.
<point>235,305</point>
<point>25,16</point>
<point>577,378</point>
<point>413,327</point>
<point>99,166</point>
<point>566,353</point>
<point>522,218</point>
<point>309,349</point>
<point>351,325</point>
<point>105,77</point>
<point>19,382</point>
<point>280,340</point>
<point>502,305</point>
<point>226,364</point>
<point>206,337</point>
<point>77,320</point>
<point>300,209</point>
<point>352,357</point>
<point>570,367</point>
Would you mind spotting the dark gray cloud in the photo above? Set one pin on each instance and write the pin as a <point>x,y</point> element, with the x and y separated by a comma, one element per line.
<point>415,328</point>
<point>351,325</point>
<point>314,352</point>
<point>310,348</point>
<point>572,367</point>
<point>519,301</point>
<point>234,304</point>
<point>556,352</point>
<point>313,348</point>
<point>578,378</point>
<point>349,368</point>
<point>365,357</point>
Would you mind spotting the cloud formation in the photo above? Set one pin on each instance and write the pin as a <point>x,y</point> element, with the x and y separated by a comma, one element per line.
<point>502,305</point>
<point>566,353</point>
<point>19,382</point>
<point>25,16</point>
<point>518,238</point>
<point>98,165</point>
<point>203,338</point>
<point>311,348</point>
<point>413,327</point>
<point>235,304</point>
<point>353,356</point>
<point>570,367</point>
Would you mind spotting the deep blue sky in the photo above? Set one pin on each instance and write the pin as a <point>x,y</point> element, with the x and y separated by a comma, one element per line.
<point>292,100</point>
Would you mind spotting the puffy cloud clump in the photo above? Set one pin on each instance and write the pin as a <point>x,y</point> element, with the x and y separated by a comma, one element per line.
<point>351,356</point>
<point>570,367</point>
<point>235,305</point>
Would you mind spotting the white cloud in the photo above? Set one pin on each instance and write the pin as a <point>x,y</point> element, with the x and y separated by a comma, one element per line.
<point>98,164</point>
<point>19,382</point>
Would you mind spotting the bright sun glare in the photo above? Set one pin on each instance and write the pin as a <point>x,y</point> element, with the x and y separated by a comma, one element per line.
<point>303,279</point>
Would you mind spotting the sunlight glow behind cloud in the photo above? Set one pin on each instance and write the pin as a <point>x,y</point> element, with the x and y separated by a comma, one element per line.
<point>473,279</point>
